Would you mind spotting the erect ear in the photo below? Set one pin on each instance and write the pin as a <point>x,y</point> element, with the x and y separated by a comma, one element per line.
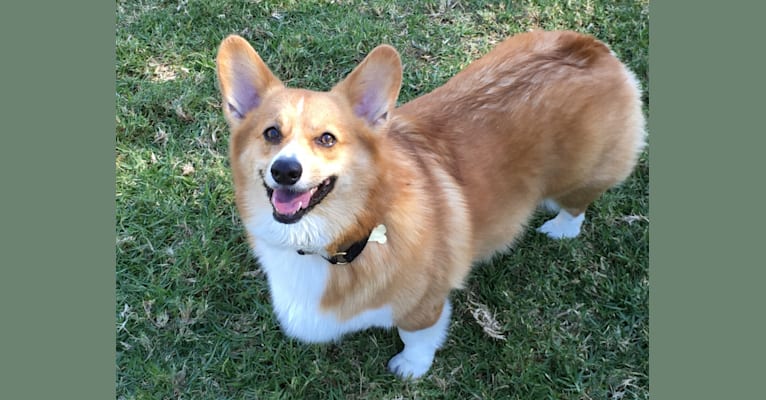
<point>243,77</point>
<point>373,86</point>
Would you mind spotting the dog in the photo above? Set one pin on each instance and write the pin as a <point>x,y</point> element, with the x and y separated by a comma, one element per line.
<point>363,214</point>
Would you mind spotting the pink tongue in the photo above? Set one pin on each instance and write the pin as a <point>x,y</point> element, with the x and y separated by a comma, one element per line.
<point>287,202</point>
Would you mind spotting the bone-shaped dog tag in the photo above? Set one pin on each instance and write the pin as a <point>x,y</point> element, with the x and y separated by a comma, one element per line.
<point>378,234</point>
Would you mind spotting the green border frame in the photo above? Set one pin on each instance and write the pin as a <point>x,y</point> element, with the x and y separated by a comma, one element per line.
<point>57,165</point>
<point>57,283</point>
<point>706,276</point>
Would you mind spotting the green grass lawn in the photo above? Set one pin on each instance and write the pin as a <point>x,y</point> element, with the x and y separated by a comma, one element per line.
<point>547,319</point>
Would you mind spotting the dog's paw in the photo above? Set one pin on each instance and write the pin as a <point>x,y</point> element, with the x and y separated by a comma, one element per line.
<point>563,226</point>
<point>406,368</point>
<point>554,230</point>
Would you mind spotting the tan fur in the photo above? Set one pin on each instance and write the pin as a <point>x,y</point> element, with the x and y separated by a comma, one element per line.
<point>455,174</point>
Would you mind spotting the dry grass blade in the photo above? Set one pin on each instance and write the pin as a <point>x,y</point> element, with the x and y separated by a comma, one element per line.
<point>486,320</point>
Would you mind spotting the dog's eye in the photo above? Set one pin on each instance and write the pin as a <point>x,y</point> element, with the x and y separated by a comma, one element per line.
<point>326,140</point>
<point>272,135</point>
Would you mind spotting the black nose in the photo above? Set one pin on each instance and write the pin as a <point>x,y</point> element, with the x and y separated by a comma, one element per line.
<point>286,171</point>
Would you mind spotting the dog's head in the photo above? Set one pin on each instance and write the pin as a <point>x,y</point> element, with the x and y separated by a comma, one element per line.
<point>301,155</point>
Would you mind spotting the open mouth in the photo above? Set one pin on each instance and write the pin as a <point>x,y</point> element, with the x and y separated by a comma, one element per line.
<point>290,205</point>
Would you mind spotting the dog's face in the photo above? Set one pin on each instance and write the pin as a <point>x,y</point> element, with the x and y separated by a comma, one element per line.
<point>297,148</point>
<point>302,158</point>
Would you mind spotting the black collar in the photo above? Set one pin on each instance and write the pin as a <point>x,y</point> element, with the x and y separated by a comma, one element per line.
<point>345,256</point>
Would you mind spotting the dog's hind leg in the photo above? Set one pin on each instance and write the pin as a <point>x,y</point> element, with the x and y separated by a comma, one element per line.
<point>572,205</point>
<point>563,226</point>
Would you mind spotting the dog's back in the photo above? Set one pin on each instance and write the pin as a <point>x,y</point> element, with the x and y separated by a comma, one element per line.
<point>545,115</point>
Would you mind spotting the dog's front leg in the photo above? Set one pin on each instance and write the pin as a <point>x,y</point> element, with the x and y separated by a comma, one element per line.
<point>420,347</point>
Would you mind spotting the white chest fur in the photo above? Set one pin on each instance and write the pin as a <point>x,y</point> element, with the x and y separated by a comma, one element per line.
<point>297,283</point>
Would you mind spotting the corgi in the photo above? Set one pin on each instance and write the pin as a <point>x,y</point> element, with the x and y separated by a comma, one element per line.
<point>363,214</point>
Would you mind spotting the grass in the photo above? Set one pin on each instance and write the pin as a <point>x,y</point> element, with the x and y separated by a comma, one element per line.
<point>547,319</point>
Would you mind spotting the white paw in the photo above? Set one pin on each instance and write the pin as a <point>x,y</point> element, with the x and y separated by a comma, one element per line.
<point>420,347</point>
<point>406,368</point>
<point>563,226</point>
